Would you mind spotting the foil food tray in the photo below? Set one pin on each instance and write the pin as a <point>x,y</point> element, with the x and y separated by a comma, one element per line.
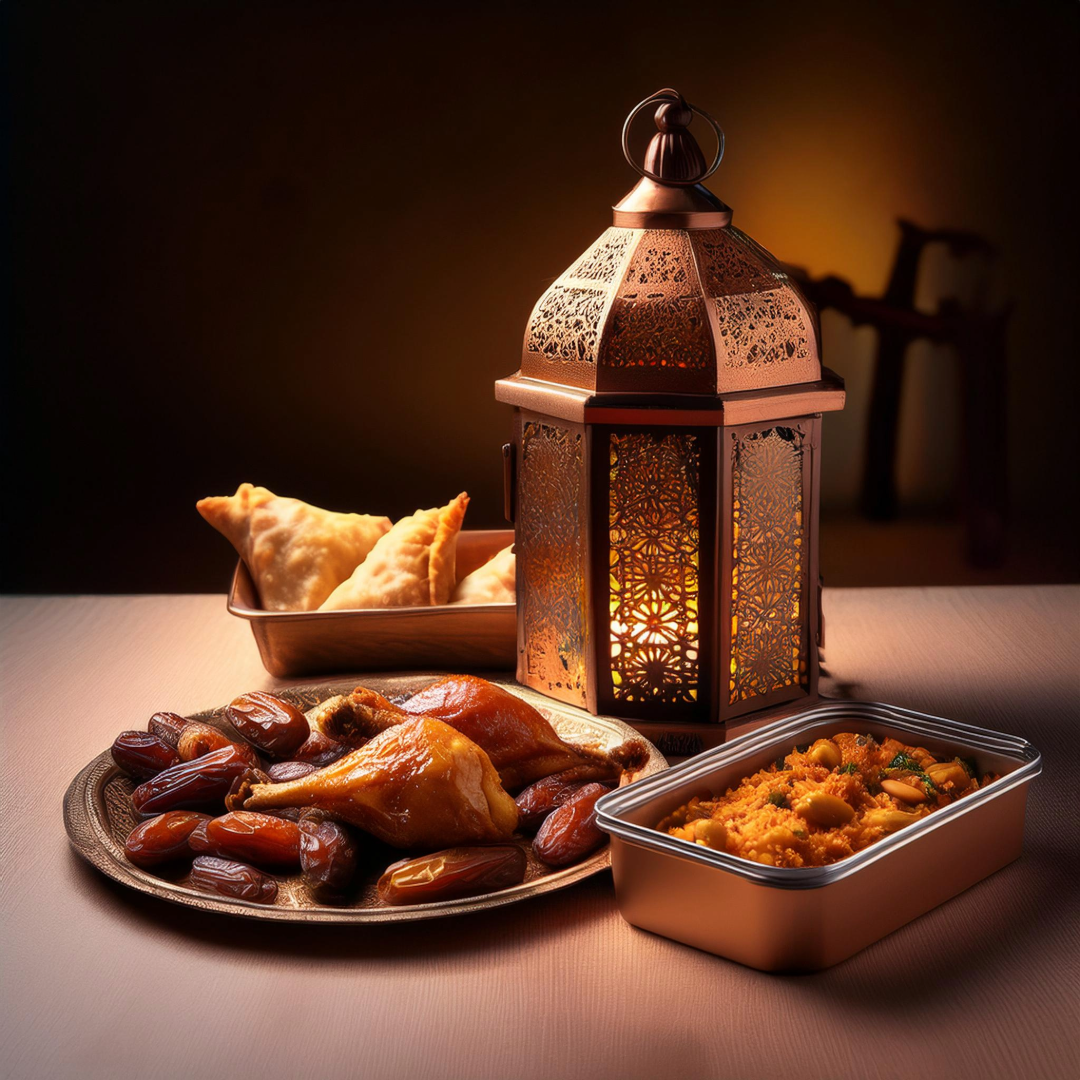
<point>460,637</point>
<point>808,918</point>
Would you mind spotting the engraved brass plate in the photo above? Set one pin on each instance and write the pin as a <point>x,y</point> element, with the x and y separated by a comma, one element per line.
<point>98,818</point>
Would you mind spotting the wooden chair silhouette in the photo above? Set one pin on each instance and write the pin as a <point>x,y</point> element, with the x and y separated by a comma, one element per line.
<point>977,335</point>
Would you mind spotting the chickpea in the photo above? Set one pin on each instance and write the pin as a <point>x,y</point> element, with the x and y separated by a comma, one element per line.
<point>709,833</point>
<point>948,772</point>
<point>824,809</point>
<point>825,752</point>
<point>904,792</point>
<point>779,838</point>
<point>889,820</point>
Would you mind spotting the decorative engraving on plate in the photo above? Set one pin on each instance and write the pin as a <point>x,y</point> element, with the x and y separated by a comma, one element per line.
<point>659,318</point>
<point>768,552</point>
<point>654,532</point>
<point>551,554</point>
<point>98,817</point>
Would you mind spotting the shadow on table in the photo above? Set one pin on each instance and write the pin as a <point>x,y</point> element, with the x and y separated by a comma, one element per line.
<point>515,926</point>
<point>1033,913</point>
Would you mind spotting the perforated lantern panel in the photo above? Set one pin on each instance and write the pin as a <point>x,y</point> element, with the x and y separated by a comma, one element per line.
<point>769,552</point>
<point>551,553</point>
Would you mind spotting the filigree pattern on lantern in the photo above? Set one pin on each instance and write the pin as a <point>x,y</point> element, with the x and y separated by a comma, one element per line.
<point>730,262</point>
<point>604,260</point>
<point>767,576</point>
<point>663,331</point>
<point>565,324</point>
<point>663,257</point>
<point>551,558</point>
<point>654,534</point>
<point>659,318</point>
<point>763,328</point>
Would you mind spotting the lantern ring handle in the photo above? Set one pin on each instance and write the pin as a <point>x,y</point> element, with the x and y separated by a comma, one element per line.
<point>672,96</point>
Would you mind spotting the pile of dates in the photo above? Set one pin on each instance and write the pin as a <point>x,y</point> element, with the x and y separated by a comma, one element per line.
<point>194,779</point>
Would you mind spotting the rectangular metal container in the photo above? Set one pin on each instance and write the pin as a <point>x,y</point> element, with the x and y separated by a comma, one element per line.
<point>460,636</point>
<point>809,918</point>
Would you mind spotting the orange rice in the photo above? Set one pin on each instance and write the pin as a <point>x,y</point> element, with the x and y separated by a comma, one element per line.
<point>822,803</point>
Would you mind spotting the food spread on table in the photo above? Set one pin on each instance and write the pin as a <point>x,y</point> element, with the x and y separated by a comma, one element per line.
<point>304,558</point>
<point>825,801</point>
<point>325,794</point>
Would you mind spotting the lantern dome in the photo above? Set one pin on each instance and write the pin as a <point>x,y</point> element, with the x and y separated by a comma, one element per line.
<point>672,298</point>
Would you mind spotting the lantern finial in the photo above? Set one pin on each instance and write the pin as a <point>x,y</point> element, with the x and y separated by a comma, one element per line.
<point>670,193</point>
<point>673,152</point>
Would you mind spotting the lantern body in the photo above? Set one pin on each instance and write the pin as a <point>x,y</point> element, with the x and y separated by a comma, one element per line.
<point>664,481</point>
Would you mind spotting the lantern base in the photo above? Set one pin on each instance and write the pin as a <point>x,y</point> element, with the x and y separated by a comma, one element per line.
<point>677,740</point>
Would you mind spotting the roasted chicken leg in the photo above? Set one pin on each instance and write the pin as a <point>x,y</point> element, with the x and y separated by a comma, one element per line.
<point>521,743</point>
<point>417,785</point>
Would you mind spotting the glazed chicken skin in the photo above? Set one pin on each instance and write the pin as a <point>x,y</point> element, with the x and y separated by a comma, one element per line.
<point>522,745</point>
<point>417,785</point>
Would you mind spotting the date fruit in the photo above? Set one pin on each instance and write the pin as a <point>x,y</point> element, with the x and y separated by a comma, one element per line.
<point>271,842</point>
<point>191,784</point>
<point>163,838</point>
<point>451,874</point>
<point>197,841</point>
<point>142,755</point>
<point>540,799</point>
<point>198,739</point>
<point>232,879</point>
<point>284,771</point>
<point>328,856</point>
<point>571,832</point>
<point>320,750</point>
<point>269,723</point>
<point>167,726</point>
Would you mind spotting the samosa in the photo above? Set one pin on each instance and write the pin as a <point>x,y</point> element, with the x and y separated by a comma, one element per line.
<point>414,564</point>
<point>297,553</point>
<point>492,583</point>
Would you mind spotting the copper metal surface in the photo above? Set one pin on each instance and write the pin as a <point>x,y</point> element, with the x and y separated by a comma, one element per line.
<point>670,310</point>
<point>458,636</point>
<point>98,818</point>
<point>670,194</point>
<point>678,332</point>
<point>674,156</point>
<point>579,405</point>
<point>805,919</point>
<point>685,724</point>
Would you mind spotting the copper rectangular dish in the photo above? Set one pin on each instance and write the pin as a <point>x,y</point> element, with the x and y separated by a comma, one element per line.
<point>809,918</point>
<point>461,637</point>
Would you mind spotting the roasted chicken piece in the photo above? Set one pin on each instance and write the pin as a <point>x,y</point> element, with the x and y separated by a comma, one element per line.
<point>353,719</point>
<point>522,745</point>
<point>419,784</point>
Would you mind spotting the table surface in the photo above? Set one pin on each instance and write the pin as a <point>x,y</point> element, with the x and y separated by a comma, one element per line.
<point>98,981</point>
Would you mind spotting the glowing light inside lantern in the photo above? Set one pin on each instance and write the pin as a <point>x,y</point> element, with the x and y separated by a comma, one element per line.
<point>654,539</point>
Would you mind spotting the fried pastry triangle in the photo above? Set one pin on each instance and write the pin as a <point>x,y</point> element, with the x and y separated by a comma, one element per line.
<point>297,553</point>
<point>412,565</point>
<point>492,583</point>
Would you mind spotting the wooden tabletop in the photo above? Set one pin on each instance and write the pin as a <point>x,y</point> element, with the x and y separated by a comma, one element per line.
<point>96,981</point>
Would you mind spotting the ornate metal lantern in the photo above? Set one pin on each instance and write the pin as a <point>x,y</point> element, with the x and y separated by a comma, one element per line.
<point>664,473</point>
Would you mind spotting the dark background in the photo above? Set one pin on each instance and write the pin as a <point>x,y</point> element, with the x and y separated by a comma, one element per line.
<point>296,244</point>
